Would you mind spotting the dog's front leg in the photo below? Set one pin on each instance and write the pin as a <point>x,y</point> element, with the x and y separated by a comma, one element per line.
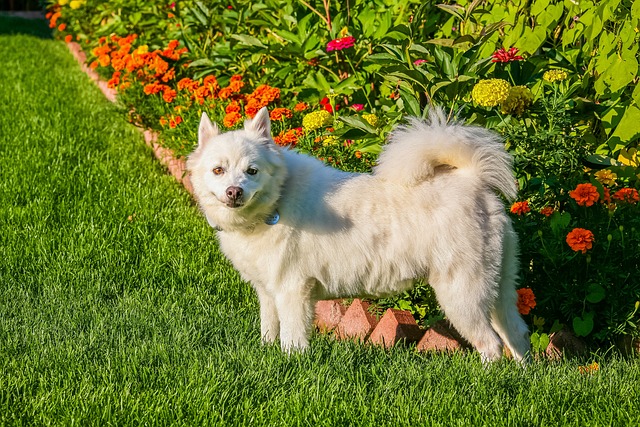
<point>269,321</point>
<point>296,311</point>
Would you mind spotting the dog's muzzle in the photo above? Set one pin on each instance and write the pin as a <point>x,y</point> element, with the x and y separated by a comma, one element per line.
<point>234,196</point>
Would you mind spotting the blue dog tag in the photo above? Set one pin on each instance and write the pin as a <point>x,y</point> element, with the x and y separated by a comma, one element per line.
<point>272,219</point>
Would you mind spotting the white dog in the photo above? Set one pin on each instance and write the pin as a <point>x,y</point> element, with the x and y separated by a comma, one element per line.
<point>300,231</point>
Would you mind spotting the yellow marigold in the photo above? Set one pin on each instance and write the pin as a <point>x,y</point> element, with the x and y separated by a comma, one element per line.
<point>141,50</point>
<point>605,176</point>
<point>75,4</point>
<point>554,76</point>
<point>372,119</point>
<point>330,140</point>
<point>63,2</point>
<point>490,92</point>
<point>518,100</point>
<point>316,120</point>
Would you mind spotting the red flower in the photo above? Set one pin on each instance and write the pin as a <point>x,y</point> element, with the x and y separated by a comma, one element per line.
<point>503,55</point>
<point>300,106</point>
<point>580,240</point>
<point>326,105</point>
<point>585,194</point>
<point>231,119</point>
<point>280,114</point>
<point>547,211</point>
<point>520,208</point>
<point>341,43</point>
<point>628,195</point>
<point>526,300</point>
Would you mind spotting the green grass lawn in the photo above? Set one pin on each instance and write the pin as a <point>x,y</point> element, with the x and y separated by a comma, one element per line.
<point>116,307</point>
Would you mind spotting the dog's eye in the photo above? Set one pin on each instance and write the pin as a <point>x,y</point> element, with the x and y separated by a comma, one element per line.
<point>252,171</point>
<point>218,171</point>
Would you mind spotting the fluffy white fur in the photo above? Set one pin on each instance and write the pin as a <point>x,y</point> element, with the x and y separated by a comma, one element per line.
<point>428,210</point>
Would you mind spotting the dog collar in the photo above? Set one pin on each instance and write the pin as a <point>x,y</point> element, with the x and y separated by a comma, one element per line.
<point>273,218</point>
<point>269,220</point>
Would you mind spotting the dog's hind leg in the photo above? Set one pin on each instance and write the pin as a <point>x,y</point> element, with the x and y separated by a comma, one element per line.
<point>505,316</point>
<point>467,306</point>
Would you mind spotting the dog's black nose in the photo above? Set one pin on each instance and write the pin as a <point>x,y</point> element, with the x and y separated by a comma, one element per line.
<point>234,193</point>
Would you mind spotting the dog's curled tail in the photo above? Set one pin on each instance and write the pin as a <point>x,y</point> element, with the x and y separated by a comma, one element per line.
<point>415,151</point>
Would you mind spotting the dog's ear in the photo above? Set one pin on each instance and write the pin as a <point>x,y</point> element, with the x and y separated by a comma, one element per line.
<point>207,130</point>
<point>260,124</point>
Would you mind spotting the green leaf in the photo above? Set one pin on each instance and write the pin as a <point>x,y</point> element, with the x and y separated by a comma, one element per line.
<point>456,10</point>
<point>204,62</point>
<point>543,342</point>
<point>628,129</point>
<point>248,40</point>
<point>583,326</point>
<point>359,123</point>
<point>621,72</point>
<point>596,293</point>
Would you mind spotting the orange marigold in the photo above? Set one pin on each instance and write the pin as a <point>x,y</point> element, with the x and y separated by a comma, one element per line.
<point>628,195</point>
<point>231,119</point>
<point>547,211</point>
<point>252,107</point>
<point>280,114</point>
<point>289,137</point>
<point>175,122</point>
<point>169,95</point>
<point>211,83</point>
<point>526,300</point>
<point>115,80</point>
<point>153,88</point>
<point>234,107</point>
<point>104,60</point>
<point>300,106</point>
<point>520,208</point>
<point>225,93</point>
<point>585,194</point>
<point>580,240</point>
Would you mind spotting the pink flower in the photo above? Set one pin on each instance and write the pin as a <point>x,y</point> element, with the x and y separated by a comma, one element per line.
<point>357,107</point>
<point>342,43</point>
<point>503,55</point>
<point>419,62</point>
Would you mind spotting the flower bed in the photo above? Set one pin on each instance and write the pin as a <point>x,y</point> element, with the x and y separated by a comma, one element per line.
<point>337,80</point>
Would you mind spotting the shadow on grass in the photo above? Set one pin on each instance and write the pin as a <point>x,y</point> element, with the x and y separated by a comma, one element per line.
<point>17,25</point>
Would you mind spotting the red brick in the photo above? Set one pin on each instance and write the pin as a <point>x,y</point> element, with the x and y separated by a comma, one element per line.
<point>357,323</point>
<point>394,326</point>
<point>564,342</point>
<point>629,345</point>
<point>328,314</point>
<point>442,337</point>
<point>81,57</point>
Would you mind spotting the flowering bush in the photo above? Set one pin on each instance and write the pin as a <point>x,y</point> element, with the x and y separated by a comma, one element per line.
<point>582,256</point>
<point>557,80</point>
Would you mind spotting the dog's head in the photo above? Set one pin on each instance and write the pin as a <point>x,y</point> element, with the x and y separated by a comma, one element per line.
<point>237,175</point>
